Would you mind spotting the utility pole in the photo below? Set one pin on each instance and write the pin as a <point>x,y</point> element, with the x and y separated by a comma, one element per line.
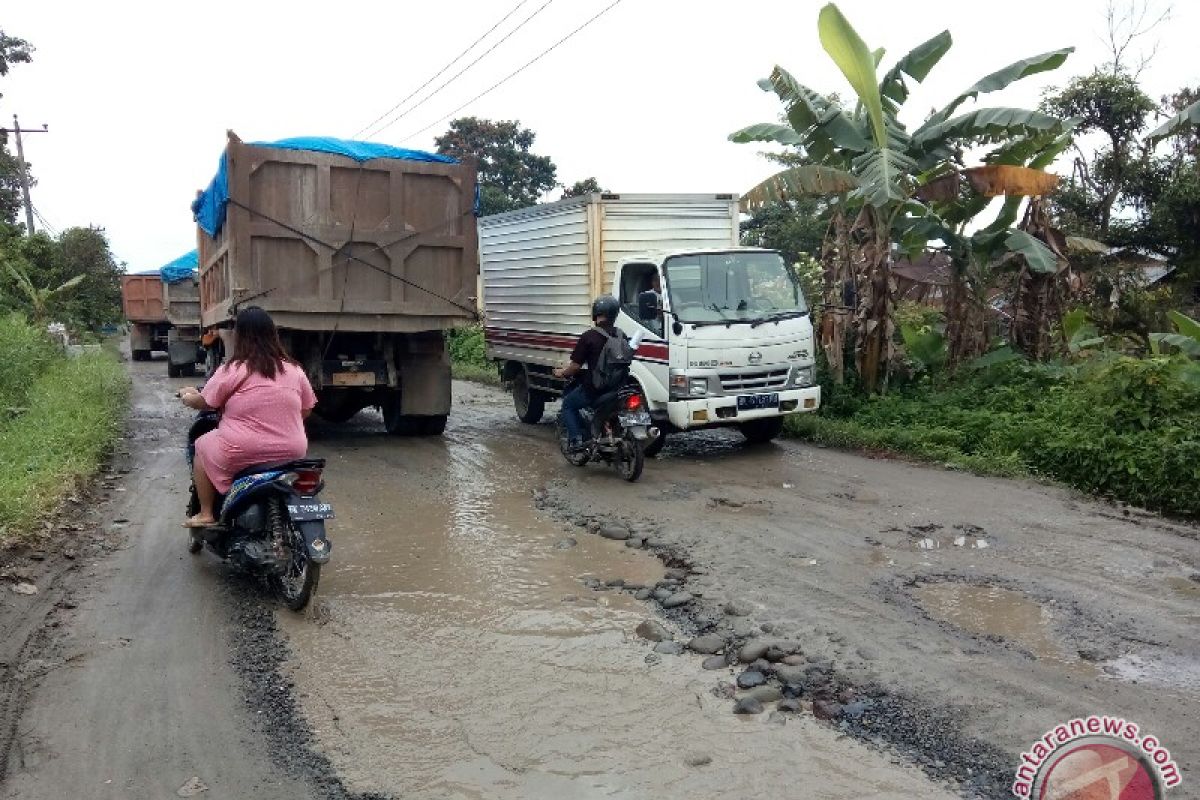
<point>16,129</point>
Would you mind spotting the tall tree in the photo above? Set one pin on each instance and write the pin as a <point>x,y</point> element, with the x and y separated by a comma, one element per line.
<point>510,175</point>
<point>79,258</point>
<point>12,51</point>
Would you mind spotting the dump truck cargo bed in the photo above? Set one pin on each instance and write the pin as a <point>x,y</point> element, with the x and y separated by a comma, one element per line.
<point>326,242</point>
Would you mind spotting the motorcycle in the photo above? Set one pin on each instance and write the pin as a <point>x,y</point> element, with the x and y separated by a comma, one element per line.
<point>621,429</point>
<point>271,522</point>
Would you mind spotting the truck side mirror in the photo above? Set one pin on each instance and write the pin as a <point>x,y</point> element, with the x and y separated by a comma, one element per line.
<point>648,308</point>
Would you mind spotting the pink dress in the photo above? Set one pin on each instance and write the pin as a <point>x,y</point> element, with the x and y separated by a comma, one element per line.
<point>261,420</point>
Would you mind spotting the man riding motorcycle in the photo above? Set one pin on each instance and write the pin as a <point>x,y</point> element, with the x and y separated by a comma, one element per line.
<point>587,353</point>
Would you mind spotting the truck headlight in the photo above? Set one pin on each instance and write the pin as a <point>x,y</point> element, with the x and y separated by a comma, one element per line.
<point>698,387</point>
<point>803,376</point>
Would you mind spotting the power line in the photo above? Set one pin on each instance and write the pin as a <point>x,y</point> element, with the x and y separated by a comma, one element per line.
<point>516,72</point>
<point>457,75</point>
<point>49,228</point>
<point>442,71</point>
<point>453,61</point>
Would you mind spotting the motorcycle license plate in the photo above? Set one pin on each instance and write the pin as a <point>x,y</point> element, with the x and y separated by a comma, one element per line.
<point>306,512</point>
<point>753,402</point>
<point>630,420</point>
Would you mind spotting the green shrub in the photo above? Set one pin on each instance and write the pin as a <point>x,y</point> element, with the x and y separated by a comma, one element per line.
<point>467,346</point>
<point>25,353</point>
<point>75,413</point>
<point>1121,427</point>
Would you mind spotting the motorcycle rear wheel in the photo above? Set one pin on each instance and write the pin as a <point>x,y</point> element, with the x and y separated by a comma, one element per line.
<point>630,460</point>
<point>298,584</point>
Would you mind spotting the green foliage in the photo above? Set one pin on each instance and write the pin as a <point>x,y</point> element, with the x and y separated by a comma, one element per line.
<point>510,176</point>
<point>580,188</point>
<point>795,228</point>
<point>467,346</point>
<point>1116,426</point>
<point>12,51</point>
<point>73,279</point>
<point>468,361</point>
<point>25,353</point>
<point>73,415</point>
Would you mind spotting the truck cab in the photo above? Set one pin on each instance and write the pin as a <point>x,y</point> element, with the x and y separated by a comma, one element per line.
<point>729,342</point>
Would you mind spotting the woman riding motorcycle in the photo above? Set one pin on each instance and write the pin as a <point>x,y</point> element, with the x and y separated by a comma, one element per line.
<point>264,398</point>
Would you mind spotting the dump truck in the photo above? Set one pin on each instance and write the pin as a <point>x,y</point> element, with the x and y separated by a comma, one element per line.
<point>181,305</point>
<point>363,254</point>
<point>142,301</point>
<point>727,342</point>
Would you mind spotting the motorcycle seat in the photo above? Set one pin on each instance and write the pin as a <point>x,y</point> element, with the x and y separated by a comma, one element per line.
<point>282,466</point>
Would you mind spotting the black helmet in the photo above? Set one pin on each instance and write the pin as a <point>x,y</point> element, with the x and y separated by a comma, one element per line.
<point>606,306</point>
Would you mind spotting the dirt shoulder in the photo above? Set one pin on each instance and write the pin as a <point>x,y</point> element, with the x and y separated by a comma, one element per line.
<point>955,617</point>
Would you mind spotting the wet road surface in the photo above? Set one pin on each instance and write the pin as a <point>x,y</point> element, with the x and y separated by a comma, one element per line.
<point>457,652</point>
<point>464,643</point>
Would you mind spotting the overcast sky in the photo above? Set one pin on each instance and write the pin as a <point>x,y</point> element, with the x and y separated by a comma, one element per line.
<point>138,95</point>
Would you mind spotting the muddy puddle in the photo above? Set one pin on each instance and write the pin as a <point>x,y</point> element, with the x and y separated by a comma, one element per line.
<point>456,652</point>
<point>996,612</point>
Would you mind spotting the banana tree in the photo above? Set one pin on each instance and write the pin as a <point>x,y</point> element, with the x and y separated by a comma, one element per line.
<point>39,299</point>
<point>875,166</point>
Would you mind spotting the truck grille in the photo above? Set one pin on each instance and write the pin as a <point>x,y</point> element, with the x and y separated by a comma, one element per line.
<point>754,381</point>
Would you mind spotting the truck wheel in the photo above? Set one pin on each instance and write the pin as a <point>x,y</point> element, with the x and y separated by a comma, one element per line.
<point>173,371</point>
<point>759,431</point>
<point>530,403</point>
<point>141,355</point>
<point>653,448</point>
<point>187,370</point>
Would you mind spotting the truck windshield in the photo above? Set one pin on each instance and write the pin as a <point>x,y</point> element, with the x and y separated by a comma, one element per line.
<point>732,287</point>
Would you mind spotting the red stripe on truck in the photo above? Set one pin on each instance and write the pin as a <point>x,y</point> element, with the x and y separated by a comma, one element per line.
<point>648,351</point>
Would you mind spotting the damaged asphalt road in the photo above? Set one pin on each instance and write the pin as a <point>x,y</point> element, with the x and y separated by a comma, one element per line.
<point>495,623</point>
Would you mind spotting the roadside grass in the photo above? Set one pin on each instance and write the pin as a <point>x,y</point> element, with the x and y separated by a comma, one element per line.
<point>73,413</point>
<point>485,374</point>
<point>1122,428</point>
<point>468,361</point>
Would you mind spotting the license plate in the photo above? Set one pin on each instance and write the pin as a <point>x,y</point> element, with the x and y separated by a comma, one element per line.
<point>629,420</point>
<point>753,402</point>
<point>306,512</point>
<point>353,378</point>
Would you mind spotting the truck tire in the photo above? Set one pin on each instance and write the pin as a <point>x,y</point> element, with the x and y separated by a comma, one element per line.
<point>529,403</point>
<point>173,370</point>
<point>140,355</point>
<point>187,370</point>
<point>760,431</point>
<point>654,448</point>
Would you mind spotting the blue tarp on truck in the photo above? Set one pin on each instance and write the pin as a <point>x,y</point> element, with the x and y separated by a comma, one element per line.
<point>209,208</point>
<point>181,268</point>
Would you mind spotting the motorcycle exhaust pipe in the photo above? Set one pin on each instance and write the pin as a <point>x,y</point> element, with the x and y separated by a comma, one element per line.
<point>653,432</point>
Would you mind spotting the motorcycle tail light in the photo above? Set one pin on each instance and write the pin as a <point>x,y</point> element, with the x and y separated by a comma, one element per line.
<point>307,481</point>
<point>633,402</point>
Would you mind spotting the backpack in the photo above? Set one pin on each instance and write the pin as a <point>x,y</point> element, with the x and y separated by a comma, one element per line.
<point>612,367</point>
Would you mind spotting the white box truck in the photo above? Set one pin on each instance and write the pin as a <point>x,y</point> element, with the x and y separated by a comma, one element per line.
<point>732,343</point>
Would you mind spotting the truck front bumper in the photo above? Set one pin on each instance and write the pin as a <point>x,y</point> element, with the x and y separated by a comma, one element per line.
<point>704,412</point>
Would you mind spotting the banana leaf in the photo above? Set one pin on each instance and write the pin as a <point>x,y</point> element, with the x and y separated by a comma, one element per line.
<point>811,179</point>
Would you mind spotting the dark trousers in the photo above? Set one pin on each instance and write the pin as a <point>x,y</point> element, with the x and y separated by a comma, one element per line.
<point>572,402</point>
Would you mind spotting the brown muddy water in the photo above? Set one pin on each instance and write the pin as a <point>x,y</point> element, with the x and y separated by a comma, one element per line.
<point>456,653</point>
<point>996,612</point>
